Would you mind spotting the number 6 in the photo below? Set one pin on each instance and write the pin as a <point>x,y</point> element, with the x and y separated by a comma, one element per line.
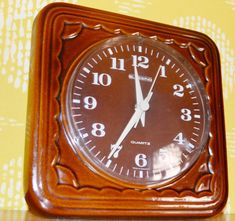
<point>141,160</point>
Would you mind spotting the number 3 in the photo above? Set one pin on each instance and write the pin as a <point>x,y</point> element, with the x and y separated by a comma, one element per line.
<point>186,114</point>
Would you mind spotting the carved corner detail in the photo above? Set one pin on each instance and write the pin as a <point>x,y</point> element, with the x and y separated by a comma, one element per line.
<point>66,176</point>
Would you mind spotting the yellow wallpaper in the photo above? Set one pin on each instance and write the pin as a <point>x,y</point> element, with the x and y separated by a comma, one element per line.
<point>216,18</point>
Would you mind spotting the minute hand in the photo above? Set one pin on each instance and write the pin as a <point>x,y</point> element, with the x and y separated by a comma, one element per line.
<point>115,148</point>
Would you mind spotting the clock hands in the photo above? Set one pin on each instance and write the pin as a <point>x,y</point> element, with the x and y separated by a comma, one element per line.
<point>139,95</point>
<point>133,122</point>
<point>141,107</point>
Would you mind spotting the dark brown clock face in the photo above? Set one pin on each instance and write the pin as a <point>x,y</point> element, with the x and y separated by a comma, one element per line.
<point>136,111</point>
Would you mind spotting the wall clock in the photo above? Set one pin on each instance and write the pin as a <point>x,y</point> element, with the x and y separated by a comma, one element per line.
<point>125,118</point>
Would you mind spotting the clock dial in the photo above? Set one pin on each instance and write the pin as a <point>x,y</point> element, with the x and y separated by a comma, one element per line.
<point>136,111</point>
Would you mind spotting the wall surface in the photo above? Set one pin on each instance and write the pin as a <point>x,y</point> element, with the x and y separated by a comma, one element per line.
<point>215,18</point>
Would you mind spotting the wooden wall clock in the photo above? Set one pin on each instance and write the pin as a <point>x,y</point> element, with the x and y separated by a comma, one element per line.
<point>125,118</point>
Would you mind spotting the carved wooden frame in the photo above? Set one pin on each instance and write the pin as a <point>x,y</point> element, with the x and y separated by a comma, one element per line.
<point>56,181</point>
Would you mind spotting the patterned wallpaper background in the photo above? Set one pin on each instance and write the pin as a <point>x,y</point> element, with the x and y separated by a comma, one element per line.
<point>215,18</point>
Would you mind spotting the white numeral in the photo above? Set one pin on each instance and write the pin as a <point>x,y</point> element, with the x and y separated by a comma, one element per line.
<point>186,114</point>
<point>179,138</point>
<point>98,130</point>
<point>179,90</point>
<point>140,61</point>
<point>163,72</point>
<point>90,102</point>
<point>118,64</point>
<point>141,160</point>
<point>101,79</point>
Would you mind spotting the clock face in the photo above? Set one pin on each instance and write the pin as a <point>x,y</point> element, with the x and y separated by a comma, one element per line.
<point>136,111</point>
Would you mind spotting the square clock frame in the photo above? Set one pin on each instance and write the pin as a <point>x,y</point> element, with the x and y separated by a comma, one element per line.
<point>125,118</point>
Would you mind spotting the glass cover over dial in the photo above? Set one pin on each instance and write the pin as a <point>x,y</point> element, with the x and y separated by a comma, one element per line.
<point>136,111</point>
